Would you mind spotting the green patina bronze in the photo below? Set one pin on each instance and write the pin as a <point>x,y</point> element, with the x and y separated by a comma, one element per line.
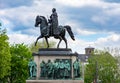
<point>43,72</point>
<point>76,67</point>
<point>59,69</point>
<point>55,69</point>
<point>32,69</point>
<point>49,67</point>
<point>67,69</point>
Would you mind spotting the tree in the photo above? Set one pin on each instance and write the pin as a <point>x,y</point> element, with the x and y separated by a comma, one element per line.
<point>106,68</point>
<point>34,48</point>
<point>114,51</point>
<point>5,56</point>
<point>19,63</point>
<point>118,63</point>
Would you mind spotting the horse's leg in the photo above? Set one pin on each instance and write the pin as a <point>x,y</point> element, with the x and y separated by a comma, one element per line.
<point>63,37</point>
<point>47,42</point>
<point>37,40</point>
<point>59,42</point>
<point>65,40</point>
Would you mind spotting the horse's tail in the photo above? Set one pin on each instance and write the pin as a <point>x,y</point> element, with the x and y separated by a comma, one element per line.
<point>70,31</point>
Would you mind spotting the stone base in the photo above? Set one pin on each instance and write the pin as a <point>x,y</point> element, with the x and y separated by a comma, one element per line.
<point>53,54</point>
<point>54,81</point>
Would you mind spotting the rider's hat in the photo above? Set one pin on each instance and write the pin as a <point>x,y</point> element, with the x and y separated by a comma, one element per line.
<point>53,10</point>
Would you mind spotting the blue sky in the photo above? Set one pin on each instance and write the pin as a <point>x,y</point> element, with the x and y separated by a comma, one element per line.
<point>94,22</point>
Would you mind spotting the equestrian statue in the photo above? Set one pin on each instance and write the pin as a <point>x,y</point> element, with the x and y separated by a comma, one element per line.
<point>51,28</point>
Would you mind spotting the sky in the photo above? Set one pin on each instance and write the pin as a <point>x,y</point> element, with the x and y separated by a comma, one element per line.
<point>95,23</point>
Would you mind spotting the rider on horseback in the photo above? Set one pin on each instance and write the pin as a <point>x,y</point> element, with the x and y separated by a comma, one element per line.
<point>53,29</point>
<point>54,23</point>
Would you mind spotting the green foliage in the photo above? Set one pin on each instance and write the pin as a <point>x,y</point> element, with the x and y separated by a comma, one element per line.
<point>43,44</point>
<point>5,56</point>
<point>106,66</point>
<point>115,51</point>
<point>19,63</point>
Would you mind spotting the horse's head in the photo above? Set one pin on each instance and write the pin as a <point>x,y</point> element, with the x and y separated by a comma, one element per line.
<point>37,21</point>
<point>41,20</point>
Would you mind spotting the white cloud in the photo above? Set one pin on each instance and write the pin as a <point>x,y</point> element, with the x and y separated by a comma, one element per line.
<point>84,32</point>
<point>79,45</point>
<point>82,3</point>
<point>77,3</point>
<point>110,41</point>
<point>114,38</point>
<point>22,14</point>
<point>115,11</point>
<point>112,10</point>
<point>77,27</point>
<point>110,38</point>
<point>100,19</point>
<point>16,38</point>
<point>107,15</point>
<point>7,24</point>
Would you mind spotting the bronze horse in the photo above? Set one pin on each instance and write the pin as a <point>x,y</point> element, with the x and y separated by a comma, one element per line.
<point>42,21</point>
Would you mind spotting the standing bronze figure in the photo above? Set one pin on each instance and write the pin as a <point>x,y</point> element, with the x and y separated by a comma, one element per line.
<point>32,69</point>
<point>48,31</point>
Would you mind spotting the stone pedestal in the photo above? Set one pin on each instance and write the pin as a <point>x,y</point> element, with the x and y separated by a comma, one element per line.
<point>53,54</point>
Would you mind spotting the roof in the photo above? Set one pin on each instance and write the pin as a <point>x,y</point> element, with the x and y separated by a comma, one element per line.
<point>83,57</point>
<point>89,47</point>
